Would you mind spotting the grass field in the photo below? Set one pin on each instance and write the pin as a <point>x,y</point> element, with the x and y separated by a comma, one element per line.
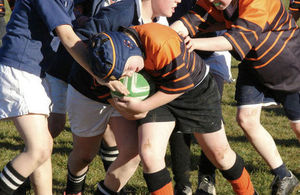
<point>273,119</point>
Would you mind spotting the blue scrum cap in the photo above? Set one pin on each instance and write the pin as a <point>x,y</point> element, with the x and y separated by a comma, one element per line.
<point>109,53</point>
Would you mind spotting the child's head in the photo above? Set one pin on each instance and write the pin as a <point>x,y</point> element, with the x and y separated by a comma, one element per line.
<point>164,7</point>
<point>114,54</point>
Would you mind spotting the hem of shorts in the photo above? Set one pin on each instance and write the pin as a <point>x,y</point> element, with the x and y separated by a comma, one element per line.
<point>250,105</point>
<point>85,135</point>
<point>2,117</point>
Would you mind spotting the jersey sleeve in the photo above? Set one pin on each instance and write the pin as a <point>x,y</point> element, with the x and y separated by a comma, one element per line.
<point>294,5</point>
<point>247,28</point>
<point>202,16</point>
<point>55,12</point>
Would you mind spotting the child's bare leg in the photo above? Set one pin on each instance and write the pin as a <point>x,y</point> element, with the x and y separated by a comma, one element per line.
<point>33,129</point>
<point>215,145</point>
<point>41,179</point>
<point>126,136</point>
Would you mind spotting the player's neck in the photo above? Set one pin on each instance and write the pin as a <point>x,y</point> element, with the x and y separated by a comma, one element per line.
<point>147,12</point>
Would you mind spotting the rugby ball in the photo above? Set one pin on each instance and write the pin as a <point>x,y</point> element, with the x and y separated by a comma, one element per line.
<point>137,86</point>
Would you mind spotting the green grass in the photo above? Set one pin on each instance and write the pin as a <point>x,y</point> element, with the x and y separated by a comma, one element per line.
<point>273,119</point>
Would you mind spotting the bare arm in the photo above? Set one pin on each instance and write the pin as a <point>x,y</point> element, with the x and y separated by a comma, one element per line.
<point>78,50</point>
<point>136,106</point>
<point>219,43</point>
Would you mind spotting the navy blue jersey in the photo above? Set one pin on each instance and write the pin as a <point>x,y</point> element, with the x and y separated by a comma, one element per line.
<point>110,18</point>
<point>30,38</point>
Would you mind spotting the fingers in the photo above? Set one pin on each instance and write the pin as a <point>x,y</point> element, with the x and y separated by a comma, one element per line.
<point>189,43</point>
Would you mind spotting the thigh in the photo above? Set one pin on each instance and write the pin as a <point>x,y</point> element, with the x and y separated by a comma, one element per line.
<point>33,129</point>
<point>86,146</point>
<point>125,132</point>
<point>155,136</point>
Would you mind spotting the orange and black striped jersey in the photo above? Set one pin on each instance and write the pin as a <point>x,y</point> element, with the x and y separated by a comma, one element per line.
<point>294,5</point>
<point>2,8</point>
<point>172,67</point>
<point>262,33</point>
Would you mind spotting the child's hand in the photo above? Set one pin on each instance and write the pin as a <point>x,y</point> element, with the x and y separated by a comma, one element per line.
<point>113,85</point>
<point>129,104</point>
<point>189,43</point>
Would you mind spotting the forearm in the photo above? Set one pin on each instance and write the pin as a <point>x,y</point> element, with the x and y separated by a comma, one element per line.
<point>219,43</point>
<point>158,99</point>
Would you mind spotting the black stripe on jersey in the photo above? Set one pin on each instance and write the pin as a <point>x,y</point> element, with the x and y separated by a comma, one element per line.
<point>204,14</point>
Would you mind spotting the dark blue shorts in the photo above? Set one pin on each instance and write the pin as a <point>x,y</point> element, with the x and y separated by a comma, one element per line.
<point>249,91</point>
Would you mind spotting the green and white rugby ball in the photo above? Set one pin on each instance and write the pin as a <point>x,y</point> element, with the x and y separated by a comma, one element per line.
<point>137,86</point>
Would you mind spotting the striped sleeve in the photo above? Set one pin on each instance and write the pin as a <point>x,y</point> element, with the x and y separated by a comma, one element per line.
<point>294,5</point>
<point>2,8</point>
<point>247,28</point>
<point>201,17</point>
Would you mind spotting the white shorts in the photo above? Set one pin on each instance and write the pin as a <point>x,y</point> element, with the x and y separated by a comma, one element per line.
<point>87,117</point>
<point>58,94</point>
<point>22,92</point>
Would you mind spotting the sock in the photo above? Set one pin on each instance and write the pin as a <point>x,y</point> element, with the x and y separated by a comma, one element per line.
<point>281,171</point>
<point>24,187</point>
<point>10,180</point>
<point>159,183</point>
<point>181,159</point>
<point>239,178</point>
<point>103,190</point>
<point>75,184</point>
<point>205,166</point>
<point>108,154</point>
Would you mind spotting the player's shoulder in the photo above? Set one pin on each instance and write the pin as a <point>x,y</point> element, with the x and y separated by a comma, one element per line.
<point>156,35</point>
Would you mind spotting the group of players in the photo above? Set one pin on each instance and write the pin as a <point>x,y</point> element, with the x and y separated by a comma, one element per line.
<point>74,73</point>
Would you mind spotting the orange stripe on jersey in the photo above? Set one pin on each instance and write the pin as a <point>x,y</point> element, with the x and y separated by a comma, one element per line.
<point>178,89</point>
<point>174,70</point>
<point>245,29</point>
<point>293,9</point>
<point>114,56</point>
<point>181,78</point>
<point>236,44</point>
<point>194,63</point>
<point>260,66</point>
<point>190,26</point>
<point>261,44</point>
<point>104,96</point>
<point>245,39</point>
<point>198,16</point>
<point>276,25</point>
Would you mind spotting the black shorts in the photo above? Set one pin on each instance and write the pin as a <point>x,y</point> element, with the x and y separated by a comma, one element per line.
<point>198,110</point>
